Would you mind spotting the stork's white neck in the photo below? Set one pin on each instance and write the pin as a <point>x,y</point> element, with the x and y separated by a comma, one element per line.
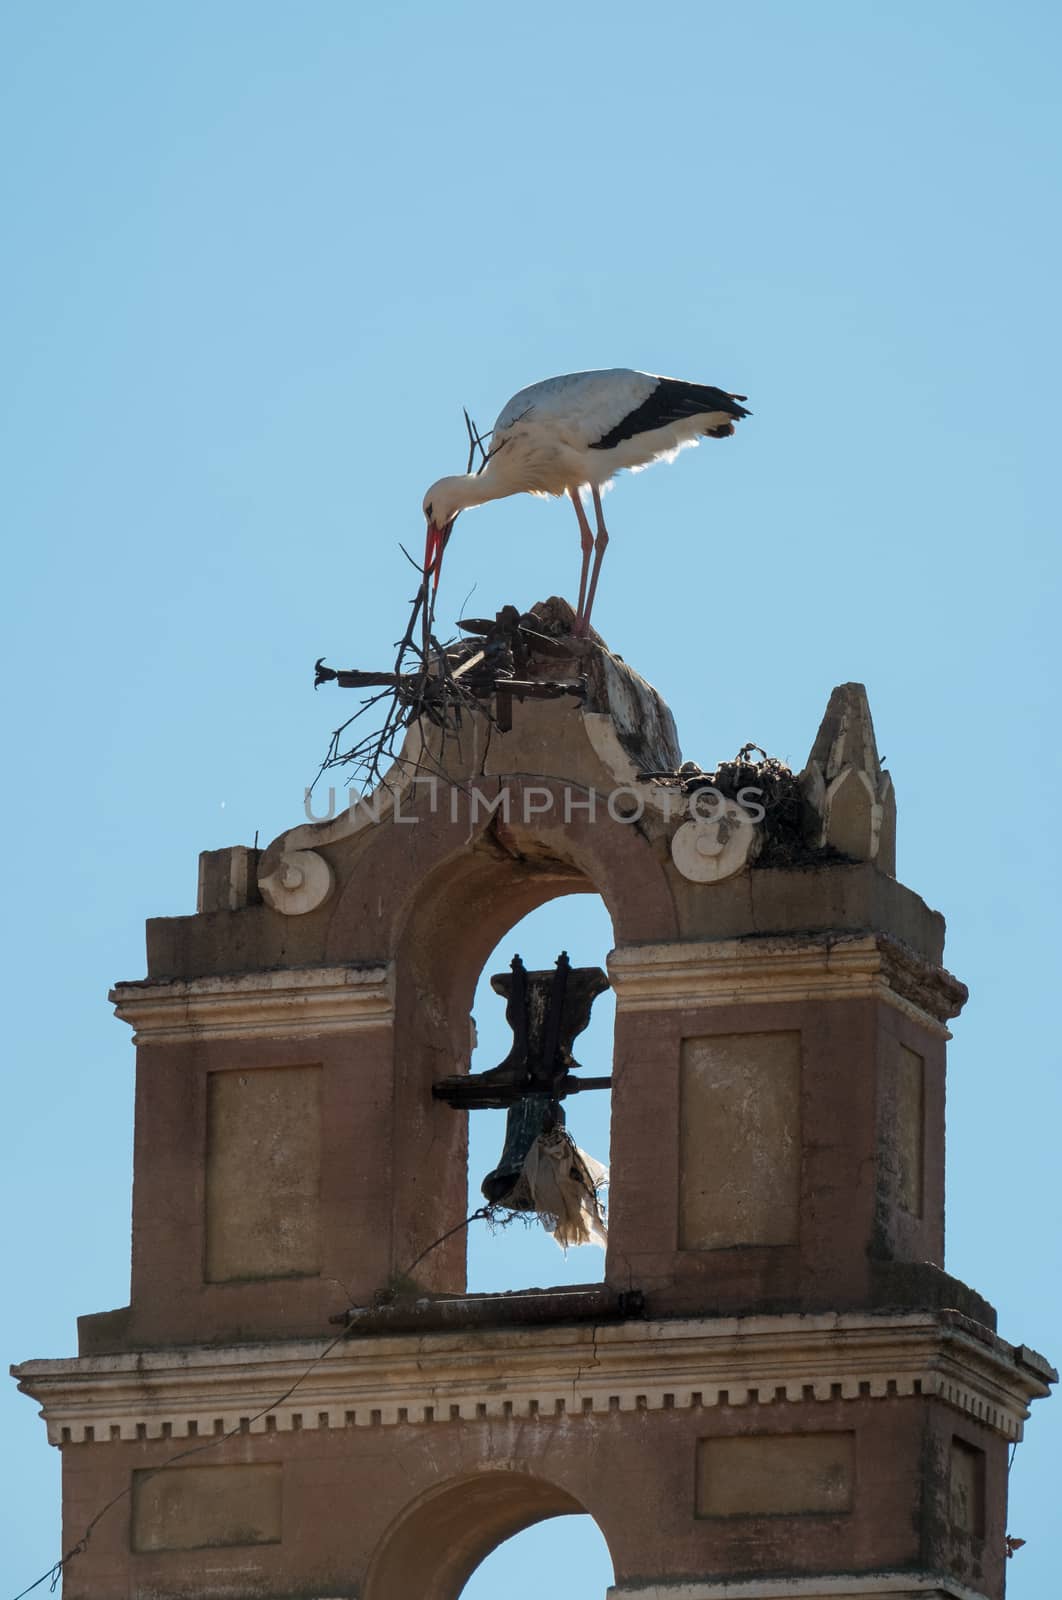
<point>466,489</point>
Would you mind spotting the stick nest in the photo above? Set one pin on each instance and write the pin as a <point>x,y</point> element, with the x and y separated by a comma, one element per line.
<point>788,824</point>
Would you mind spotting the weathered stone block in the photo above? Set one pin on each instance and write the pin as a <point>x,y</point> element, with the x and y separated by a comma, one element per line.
<point>739,1160</point>
<point>227,879</point>
<point>197,1508</point>
<point>263,1173</point>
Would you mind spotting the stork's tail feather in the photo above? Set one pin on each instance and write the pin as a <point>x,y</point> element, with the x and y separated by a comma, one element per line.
<point>689,398</point>
<point>730,404</point>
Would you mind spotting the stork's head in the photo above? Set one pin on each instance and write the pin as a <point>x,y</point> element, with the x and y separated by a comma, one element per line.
<point>442,503</point>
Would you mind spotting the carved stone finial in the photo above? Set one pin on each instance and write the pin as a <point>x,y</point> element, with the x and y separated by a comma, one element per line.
<point>851,798</point>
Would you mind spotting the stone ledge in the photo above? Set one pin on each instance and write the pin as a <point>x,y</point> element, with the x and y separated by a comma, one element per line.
<point>885,1585</point>
<point>787,968</point>
<point>294,1000</point>
<point>541,1373</point>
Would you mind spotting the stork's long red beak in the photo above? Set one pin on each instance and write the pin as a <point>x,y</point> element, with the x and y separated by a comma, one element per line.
<point>434,546</point>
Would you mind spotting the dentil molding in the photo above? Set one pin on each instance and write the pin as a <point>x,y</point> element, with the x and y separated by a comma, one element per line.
<point>538,1373</point>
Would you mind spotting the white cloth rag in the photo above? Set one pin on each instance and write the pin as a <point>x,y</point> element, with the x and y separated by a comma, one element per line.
<point>563,1184</point>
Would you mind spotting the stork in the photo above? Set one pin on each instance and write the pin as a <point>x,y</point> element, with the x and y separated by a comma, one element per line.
<point>574,432</point>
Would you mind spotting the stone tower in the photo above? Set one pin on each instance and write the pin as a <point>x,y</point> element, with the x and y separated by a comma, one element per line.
<point>777,1390</point>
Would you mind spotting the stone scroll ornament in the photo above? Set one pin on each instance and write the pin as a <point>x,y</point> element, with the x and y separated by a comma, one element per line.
<point>541,1170</point>
<point>710,848</point>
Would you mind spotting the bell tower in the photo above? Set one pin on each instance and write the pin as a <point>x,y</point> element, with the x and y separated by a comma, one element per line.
<point>778,1391</point>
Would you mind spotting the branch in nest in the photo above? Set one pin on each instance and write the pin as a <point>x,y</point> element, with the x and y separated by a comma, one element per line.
<point>426,684</point>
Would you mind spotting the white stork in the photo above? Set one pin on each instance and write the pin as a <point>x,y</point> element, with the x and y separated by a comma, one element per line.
<point>578,431</point>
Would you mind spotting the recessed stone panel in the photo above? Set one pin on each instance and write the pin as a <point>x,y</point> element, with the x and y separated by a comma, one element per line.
<point>967,1488</point>
<point>739,1146</point>
<point>763,1474</point>
<point>902,1137</point>
<point>263,1173</point>
<point>909,1071</point>
<point>199,1508</point>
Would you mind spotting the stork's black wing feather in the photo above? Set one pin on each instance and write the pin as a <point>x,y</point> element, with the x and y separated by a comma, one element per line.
<point>671,401</point>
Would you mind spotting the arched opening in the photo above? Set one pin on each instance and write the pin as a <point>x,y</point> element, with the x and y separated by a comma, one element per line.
<point>566,1558</point>
<point>522,1254</point>
<point>437,1549</point>
<point>447,905</point>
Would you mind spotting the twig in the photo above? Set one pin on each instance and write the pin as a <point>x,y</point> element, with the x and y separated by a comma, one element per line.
<point>423,683</point>
<point>475,442</point>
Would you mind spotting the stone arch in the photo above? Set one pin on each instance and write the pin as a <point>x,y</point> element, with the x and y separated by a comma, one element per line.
<point>417,878</point>
<point>441,896</point>
<point>436,1544</point>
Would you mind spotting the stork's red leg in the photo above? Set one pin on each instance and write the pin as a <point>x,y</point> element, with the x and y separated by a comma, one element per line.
<point>599,552</point>
<point>587,540</point>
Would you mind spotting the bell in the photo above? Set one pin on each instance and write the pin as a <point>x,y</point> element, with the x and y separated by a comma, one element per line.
<point>525,1122</point>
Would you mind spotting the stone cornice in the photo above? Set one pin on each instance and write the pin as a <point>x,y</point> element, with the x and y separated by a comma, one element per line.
<point>541,1372</point>
<point>788,968</point>
<point>252,1005</point>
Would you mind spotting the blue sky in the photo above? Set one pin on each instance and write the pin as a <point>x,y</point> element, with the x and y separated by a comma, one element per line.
<point>257,258</point>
